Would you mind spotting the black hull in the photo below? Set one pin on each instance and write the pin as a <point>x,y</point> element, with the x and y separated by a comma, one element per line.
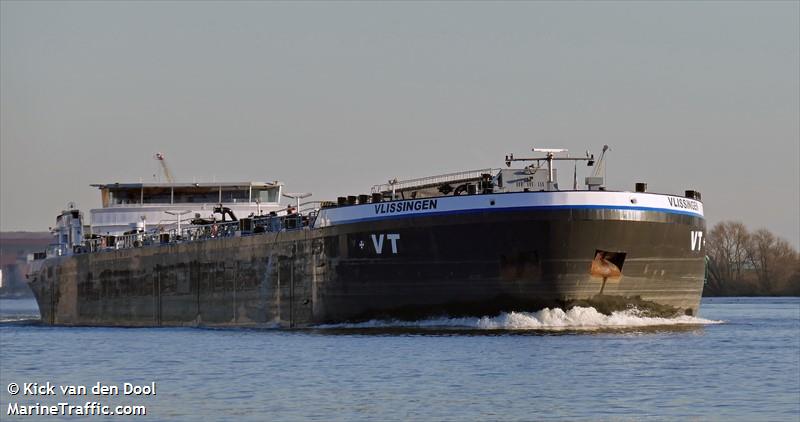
<point>467,264</point>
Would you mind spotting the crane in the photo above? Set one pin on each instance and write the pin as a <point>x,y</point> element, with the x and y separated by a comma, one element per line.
<point>600,167</point>
<point>162,160</point>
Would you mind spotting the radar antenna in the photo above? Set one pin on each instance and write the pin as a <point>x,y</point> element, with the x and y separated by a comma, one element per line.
<point>163,161</point>
<point>550,156</point>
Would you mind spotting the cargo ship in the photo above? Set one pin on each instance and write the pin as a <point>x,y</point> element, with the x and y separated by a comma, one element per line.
<point>474,242</point>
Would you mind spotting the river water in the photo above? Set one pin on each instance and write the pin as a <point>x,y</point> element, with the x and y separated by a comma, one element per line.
<point>739,360</point>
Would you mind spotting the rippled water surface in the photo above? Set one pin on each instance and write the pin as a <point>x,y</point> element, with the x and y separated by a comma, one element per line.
<point>740,360</point>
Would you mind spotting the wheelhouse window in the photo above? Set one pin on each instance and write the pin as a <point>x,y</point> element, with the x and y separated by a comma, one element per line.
<point>188,194</point>
<point>232,194</point>
<point>157,195</point>
<point>200,195</point>
<point>265,195</point>
<point>125,196</point>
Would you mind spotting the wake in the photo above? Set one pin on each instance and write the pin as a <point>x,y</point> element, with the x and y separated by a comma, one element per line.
<point>20,320</point>
<point>576,318</point>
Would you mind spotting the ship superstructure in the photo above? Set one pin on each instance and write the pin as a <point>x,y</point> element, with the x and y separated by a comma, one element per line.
<point>131,206</point>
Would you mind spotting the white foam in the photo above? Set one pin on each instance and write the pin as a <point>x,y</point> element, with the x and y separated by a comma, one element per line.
<point>577,318</point>
<point>19,318</point>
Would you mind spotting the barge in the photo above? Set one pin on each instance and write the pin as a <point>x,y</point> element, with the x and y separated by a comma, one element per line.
<point>468,243</point>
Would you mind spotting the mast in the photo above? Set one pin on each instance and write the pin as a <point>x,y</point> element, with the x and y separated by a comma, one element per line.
<point>550,156</point>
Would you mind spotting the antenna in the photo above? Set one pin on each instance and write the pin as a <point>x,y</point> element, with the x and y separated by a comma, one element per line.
<point>550,156</point>
<point>575,177</point>
<point>163,161</point>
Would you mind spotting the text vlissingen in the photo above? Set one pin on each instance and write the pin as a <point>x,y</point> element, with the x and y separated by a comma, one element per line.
<point>394,207</point>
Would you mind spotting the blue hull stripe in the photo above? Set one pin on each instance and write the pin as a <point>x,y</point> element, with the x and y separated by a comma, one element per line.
<point>509,209</point>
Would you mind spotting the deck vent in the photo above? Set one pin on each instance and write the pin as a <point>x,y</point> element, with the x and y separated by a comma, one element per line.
<point>693,194</point>
<point>363,199</point>
<point>641,187</point>
<point>341,200</point>
<point>351,200</point>
<point>377,197</point>
<point>594,182</point>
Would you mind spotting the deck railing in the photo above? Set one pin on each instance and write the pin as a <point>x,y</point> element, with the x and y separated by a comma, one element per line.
<point>191,233</point>
<point>431,180</point>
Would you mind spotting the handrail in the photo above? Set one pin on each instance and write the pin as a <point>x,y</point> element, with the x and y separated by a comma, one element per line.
<point>431,180</point>
<point>261,224</point>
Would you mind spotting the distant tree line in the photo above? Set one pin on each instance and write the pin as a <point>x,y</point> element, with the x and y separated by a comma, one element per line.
<point>744,263</point>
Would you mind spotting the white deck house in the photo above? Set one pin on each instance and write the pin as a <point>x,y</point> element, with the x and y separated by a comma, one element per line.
<point>156,206</point>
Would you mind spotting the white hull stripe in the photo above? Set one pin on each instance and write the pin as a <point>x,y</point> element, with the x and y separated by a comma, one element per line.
<point>522,201</point>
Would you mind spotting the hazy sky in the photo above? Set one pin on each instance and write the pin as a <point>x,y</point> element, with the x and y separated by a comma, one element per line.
<point>332,98</point>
